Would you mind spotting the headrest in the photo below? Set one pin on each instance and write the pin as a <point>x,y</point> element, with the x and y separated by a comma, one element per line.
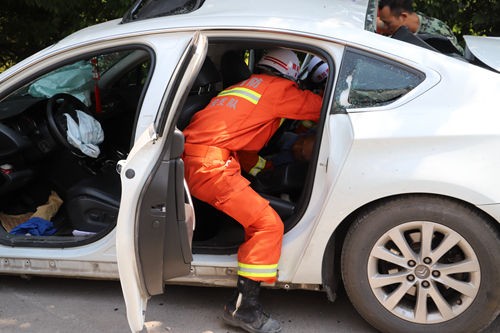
<point>208,74</point>
<point>233,68</point>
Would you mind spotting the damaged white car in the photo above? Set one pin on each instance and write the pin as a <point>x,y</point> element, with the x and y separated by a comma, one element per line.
<point>400,200</point>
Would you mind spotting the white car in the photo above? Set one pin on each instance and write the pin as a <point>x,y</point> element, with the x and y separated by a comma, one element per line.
<point>400,201</point>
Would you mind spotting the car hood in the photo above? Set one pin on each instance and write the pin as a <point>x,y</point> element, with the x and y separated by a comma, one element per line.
<point>486,49</point>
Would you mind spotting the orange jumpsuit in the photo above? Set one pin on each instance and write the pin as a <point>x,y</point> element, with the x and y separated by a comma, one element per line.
<point>243,118</point>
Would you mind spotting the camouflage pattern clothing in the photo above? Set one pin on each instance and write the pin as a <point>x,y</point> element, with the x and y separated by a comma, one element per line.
<point>431,25</point>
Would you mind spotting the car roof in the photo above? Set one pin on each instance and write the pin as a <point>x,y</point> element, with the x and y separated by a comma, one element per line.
<point>314,17</point>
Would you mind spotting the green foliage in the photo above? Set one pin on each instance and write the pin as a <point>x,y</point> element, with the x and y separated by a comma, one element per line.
<point>27,26</point>
<point>465,17</point>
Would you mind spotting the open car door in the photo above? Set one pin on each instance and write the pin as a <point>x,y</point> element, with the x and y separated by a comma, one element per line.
<point>155,221</point>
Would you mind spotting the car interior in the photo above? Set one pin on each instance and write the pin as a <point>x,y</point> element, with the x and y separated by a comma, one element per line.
<point>39,166</point>
<point>41,171</point>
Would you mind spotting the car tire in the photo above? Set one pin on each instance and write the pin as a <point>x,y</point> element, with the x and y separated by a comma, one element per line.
<point>423,264</point>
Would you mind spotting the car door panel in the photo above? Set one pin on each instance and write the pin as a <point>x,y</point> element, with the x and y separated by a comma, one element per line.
<point>163,201</point>
<point>155,205</point>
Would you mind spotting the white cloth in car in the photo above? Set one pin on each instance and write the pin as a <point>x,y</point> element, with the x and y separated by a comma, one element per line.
<point>85,135</point>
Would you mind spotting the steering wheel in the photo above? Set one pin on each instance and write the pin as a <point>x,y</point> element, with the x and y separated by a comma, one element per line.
<point>57,105</point>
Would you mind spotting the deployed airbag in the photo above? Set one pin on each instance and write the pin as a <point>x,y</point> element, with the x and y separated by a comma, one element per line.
<point>85,135</point>
<point>75,79</point>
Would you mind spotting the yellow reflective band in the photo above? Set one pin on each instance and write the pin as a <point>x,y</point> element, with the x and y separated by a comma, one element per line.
<point>257,275</point>
<point>275,266</point>
<point>262,271</point>
<point>258,167</point>
<point>308,123</point>
<point>250,95</point>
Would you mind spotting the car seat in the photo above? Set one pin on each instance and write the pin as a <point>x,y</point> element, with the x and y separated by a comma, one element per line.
<point>93,203</point>
<point>204,88</point>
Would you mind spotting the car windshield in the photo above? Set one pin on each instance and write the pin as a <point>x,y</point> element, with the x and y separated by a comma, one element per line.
<point>75,76</point>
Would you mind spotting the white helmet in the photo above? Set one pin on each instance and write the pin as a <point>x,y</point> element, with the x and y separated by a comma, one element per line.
<point>317,69</point>
<point>284,61</point>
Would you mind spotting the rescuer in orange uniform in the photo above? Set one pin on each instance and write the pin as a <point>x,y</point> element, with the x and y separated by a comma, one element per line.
<point>243,118</point>
<point>297,144</point>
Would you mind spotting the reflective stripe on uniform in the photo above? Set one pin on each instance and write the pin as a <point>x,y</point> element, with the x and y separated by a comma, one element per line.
<point>258,167</point>
<point>308,123</point>
<point>250,95</point>
<point>257,271</point>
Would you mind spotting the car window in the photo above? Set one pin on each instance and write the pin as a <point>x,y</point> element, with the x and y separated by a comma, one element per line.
<point>135,77</point>
<point>108,60</point>
<point>127,70</point>
<point>368,81</point>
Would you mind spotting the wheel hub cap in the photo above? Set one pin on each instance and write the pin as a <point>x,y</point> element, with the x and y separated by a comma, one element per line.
<point>422,271</point>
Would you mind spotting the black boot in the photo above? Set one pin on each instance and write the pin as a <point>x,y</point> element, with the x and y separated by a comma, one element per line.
<point>245,311</point>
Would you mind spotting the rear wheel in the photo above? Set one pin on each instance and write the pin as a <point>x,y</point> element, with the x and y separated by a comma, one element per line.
<point>423,264</point>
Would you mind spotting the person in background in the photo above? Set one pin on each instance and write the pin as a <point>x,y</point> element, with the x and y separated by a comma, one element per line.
<point>392,14</point>
<point>243,117</point>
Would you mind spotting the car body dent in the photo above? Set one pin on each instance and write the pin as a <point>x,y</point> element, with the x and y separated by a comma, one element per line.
<point>485,49</point>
